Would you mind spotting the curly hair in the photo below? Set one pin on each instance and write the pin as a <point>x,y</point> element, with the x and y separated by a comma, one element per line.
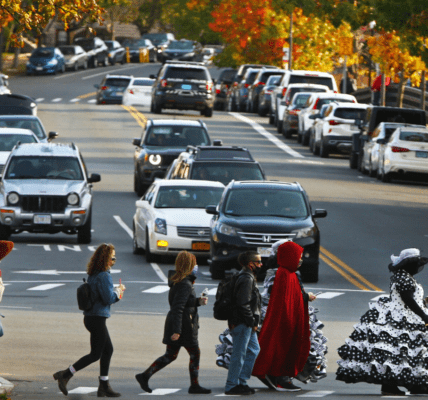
<point>184,264</point>
<point>100,259</point>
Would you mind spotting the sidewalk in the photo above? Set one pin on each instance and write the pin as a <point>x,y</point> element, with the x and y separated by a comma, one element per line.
<point>5,386</point>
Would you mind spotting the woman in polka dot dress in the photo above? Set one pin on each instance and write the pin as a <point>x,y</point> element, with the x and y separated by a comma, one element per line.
<point>389,345</point>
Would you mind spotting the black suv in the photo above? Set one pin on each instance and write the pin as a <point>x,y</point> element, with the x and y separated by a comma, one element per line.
<point>183,50</point>
<point>160,144</point>
<point>97,50</point>
<point>222,86</point>
<point>216,163</point>
<point>255,215</point>
<point>183,86</point>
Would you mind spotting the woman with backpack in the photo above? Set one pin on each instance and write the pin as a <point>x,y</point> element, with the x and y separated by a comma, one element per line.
<point>103,294</point>
<point>181,325</point>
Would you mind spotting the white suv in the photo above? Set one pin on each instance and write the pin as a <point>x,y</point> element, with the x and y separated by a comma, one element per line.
<point>337,127</point>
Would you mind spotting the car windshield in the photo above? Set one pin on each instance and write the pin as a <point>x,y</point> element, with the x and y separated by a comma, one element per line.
<point>321,102</point>
<point>315,80</point>
<point>295,90</point>
<point>184,73</point>
<point>224,172</point>
<point>142,82</point>
<point>301,100</point>
<point>110,45</point>
<point>273,80</point>
<point>178,45</point>
<point>36,167</point>
<point>350,113</point>
<point>156,38</point>
<point>118,82</point>
<point>177,136</point>
<point>251,77</point>
<point>87,44</point>
<point>227,75</point>
<point>45,53</point>
<point>33,125</point>
<point>135,44</point>
<point>188,197</point>
<point>7,141</point>
<point>409,136</point>
<point>68,50</point>
<point>266,203</point>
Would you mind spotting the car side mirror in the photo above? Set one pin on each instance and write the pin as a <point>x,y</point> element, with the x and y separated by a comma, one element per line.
<point>96,86</point>
<point>94,178</point>
<point>136,142</point>
<point>217,142</point>
<point>381,141</point>
<point>52,135</point>
<point>320,214</point>
<point>211,210</point>
<point>140,203</point>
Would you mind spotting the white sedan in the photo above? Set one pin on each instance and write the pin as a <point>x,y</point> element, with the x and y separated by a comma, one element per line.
<point>171,217</point>
<point>138,92</point>
<point>406,151</point>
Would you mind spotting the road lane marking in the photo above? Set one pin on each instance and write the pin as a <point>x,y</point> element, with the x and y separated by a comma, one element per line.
<point>157,289</point>
<point>83,390</point>
<point>84,96</point>
<point>48,286</point>
<point>92,101</point>
<point>110,71</point>
<point>160,392</point>
<point>139,312</point>
<point>267,135</point>
<point>40,99</point>
<point>74,100</point>
<point>340,263</point>
<point>139,117</point>
<point>56,272</point>
<point>329,295</point>
<point>57,100</point>
<point>316,393</point>
<point>159,272</point>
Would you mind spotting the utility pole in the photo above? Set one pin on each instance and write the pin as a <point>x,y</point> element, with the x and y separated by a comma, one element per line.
<point>290,57</point>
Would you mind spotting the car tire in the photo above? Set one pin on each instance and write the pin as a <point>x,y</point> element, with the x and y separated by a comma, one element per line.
<point>85,65</point>
<point>305,139</point>
<point>150,257</point>
<point>385,178</point>
<point>157,109</point>
<point>122,61</point>
<point>135,248</point>
<point>139,188</point>
<point>323,150</point>
<point>271,119</point>
<point>353,160</point>
<point>372,172</point>
<point>84,234</point>
<point>262,111</point>
<point>208,112</point>
<point>216,271</point>
<point>76,66</point>
<point>279,126</point>
<point>312,143</point>
<point>94,63</point>
<point>105,61</point>
<point>113,61</point>
<point>231,105</point>
<point>5,232</point>
<point>255,106</point>
<point>62,70</point>
<point>299,137</point>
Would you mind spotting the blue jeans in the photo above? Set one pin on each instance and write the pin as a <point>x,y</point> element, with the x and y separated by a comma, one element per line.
<point>245,351</point>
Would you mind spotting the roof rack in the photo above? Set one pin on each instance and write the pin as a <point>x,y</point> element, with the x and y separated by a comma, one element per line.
<point>184,62</point>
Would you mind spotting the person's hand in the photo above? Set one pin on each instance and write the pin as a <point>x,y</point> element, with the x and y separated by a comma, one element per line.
<point>119,292</point>
<point>203,301</point>
<point>122,287</point>
<point>312,297</point>
<point>255,328</point>
<point>175,336</point>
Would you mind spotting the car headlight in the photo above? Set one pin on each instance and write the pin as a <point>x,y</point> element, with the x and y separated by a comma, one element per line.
<point>53,62</point>
<point>155,159</point>
<point>13,198</point>
<point>305,232</point>
<point>190,54</point>
<point>227,230</point>
<point>160,226</point>
<point>73,199</point>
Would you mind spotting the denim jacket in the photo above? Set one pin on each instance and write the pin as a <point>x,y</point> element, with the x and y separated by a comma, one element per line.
<point>103,294</point>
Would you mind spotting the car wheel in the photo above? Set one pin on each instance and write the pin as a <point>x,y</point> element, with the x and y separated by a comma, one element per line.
<point>139,188</point>
<point>386,178</point>
<point>299,137</point>
<point>217,272</point>
<point>255,106</point>
<point>312,143</point>
<point>113,61</point>
<point>150,257</point>
<point>353,160</point>
<point>85,65</point>
<point>231,106</point>
<point>157,109</point>
<point>305,138</point>
<point>5,232</point>
<point>135,248</point>
<point>76,66</point>
<point>122,61</point>
<point>105,61</point>
<point>271,119</point>
<point>62,69</point>
<point>84,234</point>
<point>208,112</point>
<point>279,126</point>
<point>379,173</point>
<point>94,63</point>
<point>323,150</point>
<point>372,172</point>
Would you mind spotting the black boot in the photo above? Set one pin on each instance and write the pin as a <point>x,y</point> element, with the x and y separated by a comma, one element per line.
<point>196,389</point>
<point>391,389</point>
<point>63,377</point>
<point>105,390</point>
<point>144,382</point>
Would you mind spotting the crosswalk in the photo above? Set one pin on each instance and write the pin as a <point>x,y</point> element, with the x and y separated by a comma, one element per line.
<point>61,100</point>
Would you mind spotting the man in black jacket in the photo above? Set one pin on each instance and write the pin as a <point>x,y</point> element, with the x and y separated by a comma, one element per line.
<point>243,324</point>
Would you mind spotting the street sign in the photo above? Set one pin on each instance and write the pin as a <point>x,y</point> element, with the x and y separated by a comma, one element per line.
<point>286,56</point>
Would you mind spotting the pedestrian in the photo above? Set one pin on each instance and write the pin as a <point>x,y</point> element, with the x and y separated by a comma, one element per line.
<point>182,323</point>
<point>243,325</point>
<point>285,335</point>
<point>103,295</point>
<point>389,345</point>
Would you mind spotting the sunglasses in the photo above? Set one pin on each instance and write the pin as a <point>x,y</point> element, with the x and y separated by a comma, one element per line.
<point>113,258</point>
<point>257,262</point>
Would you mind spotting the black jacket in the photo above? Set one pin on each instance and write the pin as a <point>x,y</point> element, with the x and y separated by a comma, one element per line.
<point>246,300</point>
<point>183,315</point>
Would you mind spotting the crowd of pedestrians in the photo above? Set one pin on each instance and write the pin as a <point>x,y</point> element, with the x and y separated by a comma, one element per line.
<point>274,336</point>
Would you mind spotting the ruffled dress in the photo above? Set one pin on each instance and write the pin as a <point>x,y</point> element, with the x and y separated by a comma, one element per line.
<point>390,342</point>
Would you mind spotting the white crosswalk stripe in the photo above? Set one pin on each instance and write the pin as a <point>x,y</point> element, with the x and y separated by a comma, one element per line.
<point>92,101</point>
<point>316,393</point>
<point>157,289</point>
<point>47,286</point>
<point>160,392</point>
<point>40,99</point>
<point>329,295</point>
<point>83,390</point>
<point>57,100</point>
<point>74,100</point>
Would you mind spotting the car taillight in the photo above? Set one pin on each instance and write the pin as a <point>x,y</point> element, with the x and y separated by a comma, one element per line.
<point>131,91</point>
<point>163,82</point>
<point>217,91</point>
<point>283,91</point>
<point>260,84</point>
<point>316,104</point>
<point>227,86</point>
<point>209,86</point>
<point>247,85</point>
<point>104,87</point>
<point>396,149</point>
<point>235,83</point>
<point>293,112</point>
<point>333,122</point>
<point>268,91</point>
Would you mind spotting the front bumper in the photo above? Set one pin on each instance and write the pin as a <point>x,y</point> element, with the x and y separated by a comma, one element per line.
<point>148,173</point>
<point>44,69</point>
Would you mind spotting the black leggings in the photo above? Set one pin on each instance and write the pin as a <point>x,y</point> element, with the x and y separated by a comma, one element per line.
<point>101,346</point>
<point>170,355</point>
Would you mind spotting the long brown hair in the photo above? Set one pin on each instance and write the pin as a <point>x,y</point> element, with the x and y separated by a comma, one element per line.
<point>100,259</point>
<point>184,264</point>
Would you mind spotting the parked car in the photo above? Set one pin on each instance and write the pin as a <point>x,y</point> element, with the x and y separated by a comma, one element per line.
<point>374,116</point>
<point>183,86</point>
<point>4,84</point>
<point>257,86</point>
<point>111,89</point>
<point>116,52</point>
<point>75,57</point>
<point>46,60</point>
<point>45,188</point>
<point>138,92</point>
<point>374,143</point>
<point>208,54</point>
<point>182,50</point>
<point>340,122</point>
<point>96,49</point>
<point>316,127</point>
<point>266,94</point>
<point>312,106</point>
<point>30,122</point>
<point>137,45</point>
<point>160,41</point>
<point>243,88</point>
<point>160,144</point>
<point>254,215</point>
<point>406,152</point>
<point>216,163</point>
<point>171,217</point>
<point>222,85</point>
<point>17,104</point>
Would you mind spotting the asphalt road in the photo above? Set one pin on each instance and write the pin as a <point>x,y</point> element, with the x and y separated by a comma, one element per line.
<point>367,222</point>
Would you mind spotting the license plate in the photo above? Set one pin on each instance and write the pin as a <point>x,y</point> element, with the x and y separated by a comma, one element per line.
<point>119,93</point>
<point>264,251</point>
<point>186,87</point>
<point>201,246</point>
<point>42,219</point>
<point>39,68</point>
<point>422,154</point>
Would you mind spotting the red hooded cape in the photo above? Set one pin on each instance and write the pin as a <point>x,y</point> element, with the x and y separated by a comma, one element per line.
<point>285,336</point>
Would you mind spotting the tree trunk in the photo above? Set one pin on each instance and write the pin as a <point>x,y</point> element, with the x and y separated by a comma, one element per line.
<point>400,94</point>
<point>1,50</point>
<point>423,87</point>
<point>16,58</point>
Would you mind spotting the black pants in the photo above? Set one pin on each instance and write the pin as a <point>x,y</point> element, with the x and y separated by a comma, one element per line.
<point>101,346</point>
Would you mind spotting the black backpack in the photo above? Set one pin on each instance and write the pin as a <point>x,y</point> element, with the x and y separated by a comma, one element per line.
<point>223,305</point>
<point>84,297</point>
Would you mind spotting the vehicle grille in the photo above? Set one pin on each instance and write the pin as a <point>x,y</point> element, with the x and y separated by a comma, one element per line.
<point>193,232</point>
<point>168,159</point>
<point>264,239</point>
<point>44,204</point>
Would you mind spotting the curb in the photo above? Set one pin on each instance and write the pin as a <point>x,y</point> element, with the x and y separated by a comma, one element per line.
<point>5,386</point>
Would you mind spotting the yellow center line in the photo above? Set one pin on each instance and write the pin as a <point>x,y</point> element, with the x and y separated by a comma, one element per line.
<point>340,263</point>
<point>84,96</point>
<point>140,118</point>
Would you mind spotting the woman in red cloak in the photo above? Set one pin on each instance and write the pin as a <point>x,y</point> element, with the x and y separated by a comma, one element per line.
<point>285,336</point>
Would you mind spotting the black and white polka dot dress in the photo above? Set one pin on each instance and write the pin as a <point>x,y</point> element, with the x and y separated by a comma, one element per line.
<point>390,342</point>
